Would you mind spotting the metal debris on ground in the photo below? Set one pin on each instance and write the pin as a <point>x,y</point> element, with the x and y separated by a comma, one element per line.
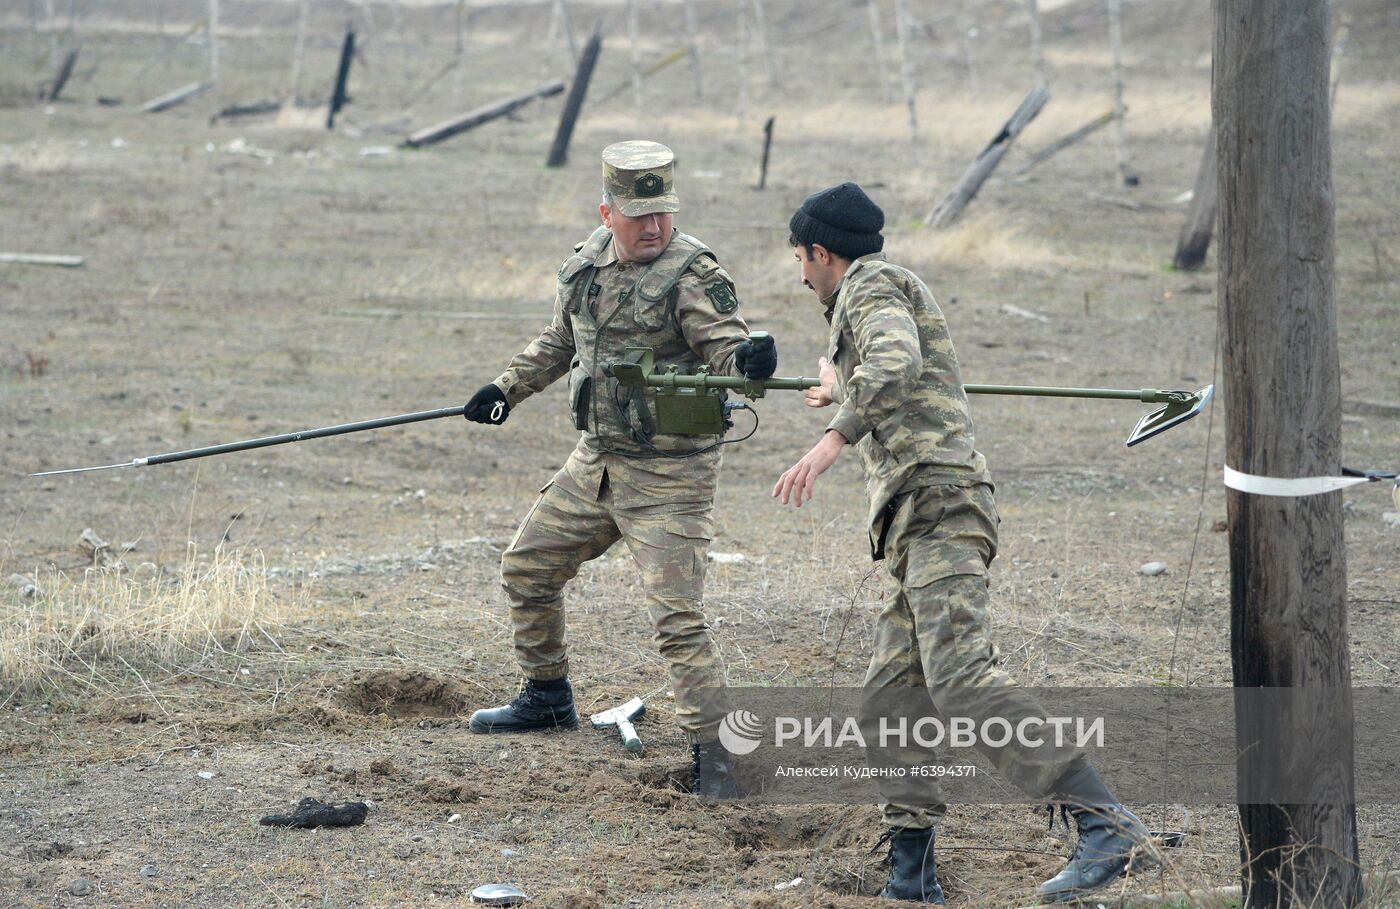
<point>498,895</point>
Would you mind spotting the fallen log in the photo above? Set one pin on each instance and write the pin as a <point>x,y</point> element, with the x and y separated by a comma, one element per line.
<point>952,205</point>
<point>1064,142</point>
<point>679,53</point>
<point>176,98</point>
<point>41,259</point>
<point>252,109</point>
<point>475,118</point>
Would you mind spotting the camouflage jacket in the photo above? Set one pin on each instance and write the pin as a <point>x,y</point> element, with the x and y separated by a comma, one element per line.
<point>898,386</point>
<point>682,305</point>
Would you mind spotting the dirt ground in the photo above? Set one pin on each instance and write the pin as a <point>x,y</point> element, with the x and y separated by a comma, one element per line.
<point>255,276</point>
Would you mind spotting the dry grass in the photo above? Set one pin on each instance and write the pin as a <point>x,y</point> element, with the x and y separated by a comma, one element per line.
<point>990,241</point>
<point>73,624</point>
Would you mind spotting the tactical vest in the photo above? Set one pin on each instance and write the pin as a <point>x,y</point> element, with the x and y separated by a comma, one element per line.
<point>609,318</point>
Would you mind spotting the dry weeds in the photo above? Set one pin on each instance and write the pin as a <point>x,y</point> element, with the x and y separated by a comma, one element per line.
<point>76,624</point>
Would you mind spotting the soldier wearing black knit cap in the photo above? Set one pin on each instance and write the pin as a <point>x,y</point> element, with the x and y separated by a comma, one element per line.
<point>895,378</point>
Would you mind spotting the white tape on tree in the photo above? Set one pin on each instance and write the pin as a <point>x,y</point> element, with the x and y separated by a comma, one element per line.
<point>1299,486</point>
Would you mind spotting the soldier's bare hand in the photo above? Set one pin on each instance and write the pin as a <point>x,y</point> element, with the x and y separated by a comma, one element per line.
<point>799,480</point>
<point>821,395</point>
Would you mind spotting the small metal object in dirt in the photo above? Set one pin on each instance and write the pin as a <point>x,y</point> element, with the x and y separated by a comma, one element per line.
<point>499,895</point>
<point>622,718</point>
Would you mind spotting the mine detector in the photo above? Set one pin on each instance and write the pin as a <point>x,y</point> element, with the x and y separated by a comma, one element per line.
<point>697,404</point>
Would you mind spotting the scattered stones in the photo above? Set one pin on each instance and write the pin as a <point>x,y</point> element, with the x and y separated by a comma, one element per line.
<point>26,587</point>
<point>454,818</point>
<point>148,871</point>
<point>205,774</point>
<point>90,543</point>
<point>1391,518</point>
<point>80,886</point>
<point>727,558</point>
<point>787,884</point>
<point>1152,569</point>
<point>510,853</point>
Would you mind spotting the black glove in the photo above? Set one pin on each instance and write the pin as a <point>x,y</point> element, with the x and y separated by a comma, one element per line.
<point>757,358</point>
<point>488,405</point>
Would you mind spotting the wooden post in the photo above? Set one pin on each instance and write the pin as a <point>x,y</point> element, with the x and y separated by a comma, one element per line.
<point>1191,246</point>
<point>213,40</point>
<point>636,50</point>
<point>1282,395</point>
<point>692,36</point>
<point>1037,52</point>
<point>969,31</point>
<point>51,23</point>
<point>342,77</point>
<point>459,54</point>
<point>761,27</point>
<point>369,23</point>
<point>1339,50</point>
<point>1120,129</point>
<point>906,66</point>
<point>741,47</point>
<point>474,118</point>
<point>583,73</point>
<point>299,49</point>
<point>61,79</point>
<point>952,205</point>
<point>566,22</point>
<point>767,145</point>
<point>882,62</point>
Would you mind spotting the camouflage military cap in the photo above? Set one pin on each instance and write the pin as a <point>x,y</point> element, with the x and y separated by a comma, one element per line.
<point>638,174</point>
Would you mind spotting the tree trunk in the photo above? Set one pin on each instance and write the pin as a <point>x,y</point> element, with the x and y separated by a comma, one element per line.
<point>1282,400</point>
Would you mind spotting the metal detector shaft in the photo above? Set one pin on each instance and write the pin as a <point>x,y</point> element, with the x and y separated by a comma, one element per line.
<point>797,383</point>
<point>637,370</point>
<point>283,439</point>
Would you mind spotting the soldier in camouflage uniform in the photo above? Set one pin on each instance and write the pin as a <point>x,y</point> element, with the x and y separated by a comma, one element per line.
<point>891,369</point>
<point>635,282</point>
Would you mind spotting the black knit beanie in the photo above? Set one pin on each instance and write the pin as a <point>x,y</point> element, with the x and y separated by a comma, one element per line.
<point>843,219</point>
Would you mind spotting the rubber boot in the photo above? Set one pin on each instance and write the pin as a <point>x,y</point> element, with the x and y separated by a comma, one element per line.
<point>539,705</point>
<point>912,872</point>
<point>1109,839</point>
<point>712,771</point>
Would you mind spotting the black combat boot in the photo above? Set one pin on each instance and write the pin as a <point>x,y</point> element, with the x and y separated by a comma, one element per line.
<point>912,872</point>
<point>539,705</point>
<point>712,771</point>
<point>1110,838</point>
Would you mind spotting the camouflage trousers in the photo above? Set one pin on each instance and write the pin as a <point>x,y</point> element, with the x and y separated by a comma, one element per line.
<point>668,542</point>
<point>935,634</point>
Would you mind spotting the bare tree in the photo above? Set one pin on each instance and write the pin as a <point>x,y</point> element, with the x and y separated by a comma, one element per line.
<point>906,66</point>
<point>1037,52</point>
<point>1282,395</point>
